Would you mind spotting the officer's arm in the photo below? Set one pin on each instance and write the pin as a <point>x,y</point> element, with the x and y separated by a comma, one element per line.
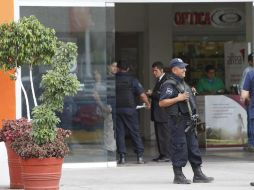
<point>245,94</point>
<point>144,98</point>
<point>245,97</point>
<point>170,101</point>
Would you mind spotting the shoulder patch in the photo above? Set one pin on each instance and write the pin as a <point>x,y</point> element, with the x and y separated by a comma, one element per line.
<point>139,85</point>
<point>169,91</point>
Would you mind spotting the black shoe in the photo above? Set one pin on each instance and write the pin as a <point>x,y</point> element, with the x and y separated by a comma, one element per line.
<point>181,179</point>
<point>179,176</point>
<point>121,159</point>
<point>249,148</point>
<point>164,159</point>
<point>199,177</point>
<point>140,160</point>
<point>161,158</point>
<point>203,179</point>
<point>251,183</point>
<point>157,158</point>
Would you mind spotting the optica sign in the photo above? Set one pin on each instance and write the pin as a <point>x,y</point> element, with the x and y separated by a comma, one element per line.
<point>192,18</point>
<point>218,18</point>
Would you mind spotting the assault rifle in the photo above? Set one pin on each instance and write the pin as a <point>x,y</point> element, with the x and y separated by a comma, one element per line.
<point>192,124</point>
<point>194,118</point>
<point>195,123</point>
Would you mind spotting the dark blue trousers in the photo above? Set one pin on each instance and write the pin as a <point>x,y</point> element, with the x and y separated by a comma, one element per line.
<point>162,133</point>
<point>250,127</point>
<point>184,146</point>
<point>128,121</point>
<point>250,131</point>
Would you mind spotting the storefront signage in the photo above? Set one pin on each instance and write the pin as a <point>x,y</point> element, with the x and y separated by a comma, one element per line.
<point>235,58</point>
<point>226,17</point>
<point>218,18</point>
<point>192,18</point>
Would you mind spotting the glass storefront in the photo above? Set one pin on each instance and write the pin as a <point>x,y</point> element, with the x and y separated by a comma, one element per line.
<point>195,33</point>
<point>91,28</point>
<point>200,32</point>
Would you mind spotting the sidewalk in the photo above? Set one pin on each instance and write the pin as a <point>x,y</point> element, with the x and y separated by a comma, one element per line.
<point>230,175</point>
<point>233,170</point>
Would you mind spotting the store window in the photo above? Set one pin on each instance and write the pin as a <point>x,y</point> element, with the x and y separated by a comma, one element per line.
<point>198,55</point>
<point>91,29</point>
<point>200,33</point>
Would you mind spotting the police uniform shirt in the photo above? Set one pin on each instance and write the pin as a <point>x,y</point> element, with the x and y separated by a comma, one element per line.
<point>138,88</point>
<point>249,86</point>
<point>168,90</point>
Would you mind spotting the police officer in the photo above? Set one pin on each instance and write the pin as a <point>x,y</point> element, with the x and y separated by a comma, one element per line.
<point>128,89</point>
<point>247,96</point>
<point>175,94</point>
<point>250,126</point>
<point>159,115</point>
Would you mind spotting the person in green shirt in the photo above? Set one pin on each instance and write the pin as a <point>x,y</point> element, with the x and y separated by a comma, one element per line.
<point>210,84</point>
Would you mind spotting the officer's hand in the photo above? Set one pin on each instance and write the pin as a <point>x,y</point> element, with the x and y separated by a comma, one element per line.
<point>183,96</point>
<point>148,92</point>
<point>148,106</point>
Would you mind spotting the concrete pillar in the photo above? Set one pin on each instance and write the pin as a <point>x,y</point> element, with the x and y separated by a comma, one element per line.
<point>249,24</point>
<point>158,47</point>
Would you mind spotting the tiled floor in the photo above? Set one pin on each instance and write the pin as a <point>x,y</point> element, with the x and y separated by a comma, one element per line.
<point>96,153</point>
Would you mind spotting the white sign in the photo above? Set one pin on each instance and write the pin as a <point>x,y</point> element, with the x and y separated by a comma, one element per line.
<point>236,60</point>
<point>226,121</point>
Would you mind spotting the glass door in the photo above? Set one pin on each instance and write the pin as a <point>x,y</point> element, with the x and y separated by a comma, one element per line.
<point>91,27</point>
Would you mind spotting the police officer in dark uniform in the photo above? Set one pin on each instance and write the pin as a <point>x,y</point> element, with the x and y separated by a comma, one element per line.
<point>247,96</point>
<point>184,145</point>
<point>159,115</point>
<point>128,89</point>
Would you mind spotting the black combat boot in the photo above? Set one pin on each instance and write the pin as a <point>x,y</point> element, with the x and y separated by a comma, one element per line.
<point>121,159</point>
<point>199,177</point>
<point>179,176</point>
<point>140,159</point>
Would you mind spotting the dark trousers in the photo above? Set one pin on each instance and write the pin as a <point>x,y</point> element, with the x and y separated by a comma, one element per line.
<point>250,130</point>
<point>184,146</point>
<point>128,121</point>
<point>250,127</point>
<point>162,133</point>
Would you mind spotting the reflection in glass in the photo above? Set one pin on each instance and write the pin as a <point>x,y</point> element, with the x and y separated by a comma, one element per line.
<point>85,113</point>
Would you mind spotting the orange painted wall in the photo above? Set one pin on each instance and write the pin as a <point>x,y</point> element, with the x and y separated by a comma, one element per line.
<point>7,87</point>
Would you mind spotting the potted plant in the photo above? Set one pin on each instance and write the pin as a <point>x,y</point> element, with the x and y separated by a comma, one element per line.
<point>26,42</point>
<point>44,142</point>
<point>12,129</point>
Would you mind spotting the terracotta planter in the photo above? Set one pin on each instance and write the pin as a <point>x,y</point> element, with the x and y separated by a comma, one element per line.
<point>42,173</point>
<point>15,170</point>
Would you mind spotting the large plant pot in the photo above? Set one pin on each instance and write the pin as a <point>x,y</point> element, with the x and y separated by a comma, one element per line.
<point>15,170</point>
<point>42,173</point>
